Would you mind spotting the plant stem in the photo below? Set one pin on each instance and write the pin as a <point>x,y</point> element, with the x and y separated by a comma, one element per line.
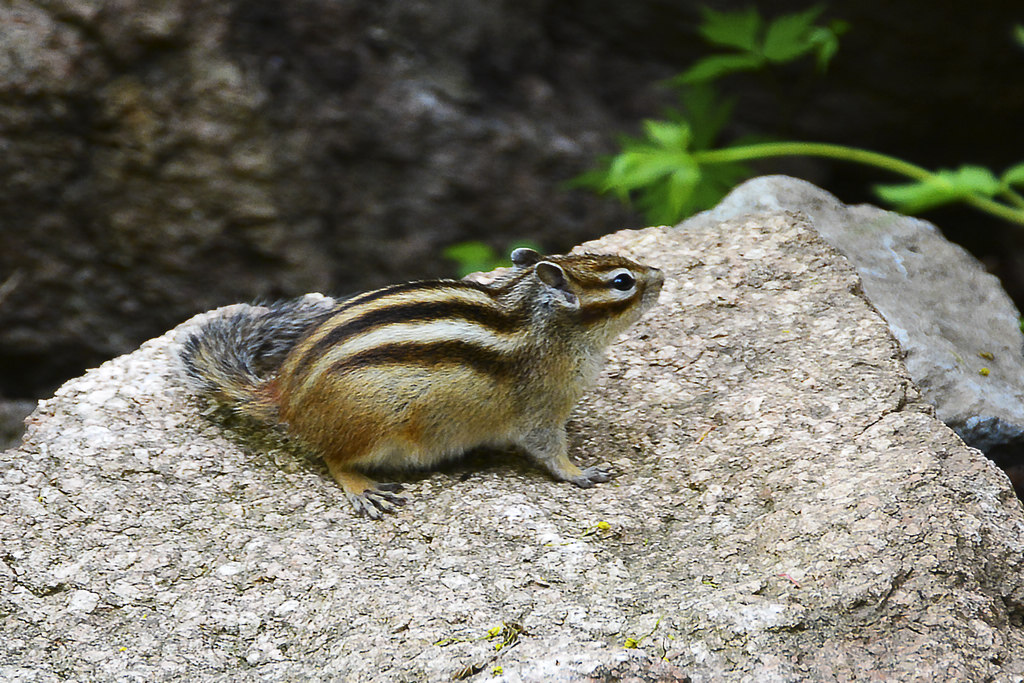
<point>995,208</point>
<point>811,149</point>
<point>1014,197</point>
<point>843,153</point>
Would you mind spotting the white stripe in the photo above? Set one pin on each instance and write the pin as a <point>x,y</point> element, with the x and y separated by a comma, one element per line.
<point>423,332</point>
<point>416,332</point>
<point>438,294</point>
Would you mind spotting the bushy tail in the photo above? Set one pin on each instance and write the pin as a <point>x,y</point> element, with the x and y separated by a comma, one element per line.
<point>232,359</point>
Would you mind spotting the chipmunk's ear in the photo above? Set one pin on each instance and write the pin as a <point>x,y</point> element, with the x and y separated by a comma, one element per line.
<point>552,275</point>
<point>524,257</point>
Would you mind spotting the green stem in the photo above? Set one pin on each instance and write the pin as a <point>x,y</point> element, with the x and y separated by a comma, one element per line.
<point>811,149</point>
<point>996,209</point>
<point>843,153</point>
<point>1014,197</point>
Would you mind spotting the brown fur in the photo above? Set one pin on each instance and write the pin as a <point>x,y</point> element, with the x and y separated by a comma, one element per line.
<point>413,374</point>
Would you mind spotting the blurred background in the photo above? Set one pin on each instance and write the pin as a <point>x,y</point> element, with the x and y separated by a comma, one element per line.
<point>159,158</point>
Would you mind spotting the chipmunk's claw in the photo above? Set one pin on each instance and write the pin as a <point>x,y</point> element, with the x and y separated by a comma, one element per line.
<point>590,476</point>
<point>374,502</point>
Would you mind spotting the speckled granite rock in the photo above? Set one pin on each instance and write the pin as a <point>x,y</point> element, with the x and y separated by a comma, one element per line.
<point>959,330</point>
<point>785,509</point>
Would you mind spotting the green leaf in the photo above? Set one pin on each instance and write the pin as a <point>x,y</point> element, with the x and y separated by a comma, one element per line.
<point>731,29</point>
<point>681,184</point>
<point>716,66</point>
<point>594,179</point>
<point>654,203</point>
<point>1013,176</point>
<point>826,44</point>
<point>671,135</point>
<point>973,180</point>
<point>941,188</point>
<point>706,114</point>
<point>635,169</point>
<point>472,256</point>
<point>788,36</point>
<point>717,181</point>
<point>912,197</point>
<point>1018,34</point>
<point>838,27</point>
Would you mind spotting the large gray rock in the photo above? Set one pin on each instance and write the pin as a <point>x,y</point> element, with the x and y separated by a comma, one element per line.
<point>959,331</point>
<point>785,509</point>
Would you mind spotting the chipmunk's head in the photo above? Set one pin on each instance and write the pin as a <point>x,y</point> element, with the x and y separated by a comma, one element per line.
<point>602,293</point>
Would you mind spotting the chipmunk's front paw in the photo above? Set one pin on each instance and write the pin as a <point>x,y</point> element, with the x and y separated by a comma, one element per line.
<point>590,476</point>
<point>366,496</point>
<point>373,502</point>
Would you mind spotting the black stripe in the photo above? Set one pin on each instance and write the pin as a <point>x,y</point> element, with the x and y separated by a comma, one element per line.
<point>414,311</point>
<point>593,312</point>
<point>360,299</point>
<point>431,354</point>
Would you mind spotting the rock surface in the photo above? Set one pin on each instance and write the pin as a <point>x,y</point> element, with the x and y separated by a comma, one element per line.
<point>785,509</point>
<point>959,330</point>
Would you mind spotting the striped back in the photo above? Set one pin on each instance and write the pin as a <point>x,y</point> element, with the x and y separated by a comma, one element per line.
<point>488,327</point>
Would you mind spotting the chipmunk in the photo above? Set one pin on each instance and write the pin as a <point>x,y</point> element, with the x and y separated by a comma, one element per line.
<point>413,374</point>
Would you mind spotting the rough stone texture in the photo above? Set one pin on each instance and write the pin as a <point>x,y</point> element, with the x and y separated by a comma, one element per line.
<point>785,509</point>
<point>959,330</point>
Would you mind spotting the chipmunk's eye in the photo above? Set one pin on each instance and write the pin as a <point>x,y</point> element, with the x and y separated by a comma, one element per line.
<point>623,282</point>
